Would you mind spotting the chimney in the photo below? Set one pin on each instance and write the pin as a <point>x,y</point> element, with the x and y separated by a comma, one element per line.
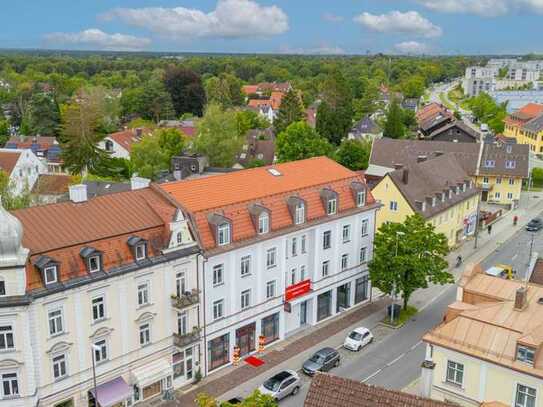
<point>139,132</point>
<point>78,193</point>
<point>521,298</point>
<point>405,176</point>
<point>139,183</point>
<point>398,166</point>
<point>421,158</point>
<point>427,374</point>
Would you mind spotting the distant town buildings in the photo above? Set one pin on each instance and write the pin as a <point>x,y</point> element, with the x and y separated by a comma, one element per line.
<point>47,149</point>
<point>365,129</point>
<point>525,125</point>
<point>265,98</point>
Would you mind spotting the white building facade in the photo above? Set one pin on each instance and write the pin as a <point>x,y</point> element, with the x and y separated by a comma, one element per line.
<point>26,171</point>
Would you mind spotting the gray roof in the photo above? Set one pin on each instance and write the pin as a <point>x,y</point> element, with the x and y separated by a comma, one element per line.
<point>458,123</point>
<point>99,188</point>
<point>365,126</point>
<point>535,125</point>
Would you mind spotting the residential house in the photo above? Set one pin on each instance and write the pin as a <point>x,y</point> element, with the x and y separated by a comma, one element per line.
<point>488,347</point>
<point>23,168</point>
<point>411,104</point>
<point>269,106</point>
<point>497,168</point>
<point>456,131</point>
<point>333,391</point>
<point>119,144</point>
<point>109,283</point>
<point>187,127</point>
<point>259,147</point>
<point>365,129</point>
<point>439,190</point>
<point>51,188</point>
<point>432,117</point>
<point>47,149</point>
<point>526,126</point>
<point>266,88</point>
<point>285,246</point>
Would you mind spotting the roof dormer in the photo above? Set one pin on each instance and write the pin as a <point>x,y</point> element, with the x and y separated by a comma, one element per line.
<point>92,258</point>
<point>297,209</point>
<point>330,200</point>
<point>221,228</point>
<point>49,270</point>
<point>139,247</point>
<point>261,217</point>
<point>359,191</point>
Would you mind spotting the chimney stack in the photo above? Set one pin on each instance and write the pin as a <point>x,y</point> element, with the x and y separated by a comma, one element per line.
<point>521,298</point>
<point>139,183</point>
<point>78,193</point>
<point>427,374</point>
<point>405,176</point>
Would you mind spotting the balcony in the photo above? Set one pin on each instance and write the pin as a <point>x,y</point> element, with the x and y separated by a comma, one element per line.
<point>184,340</point>
<point>485,186</point>
<point>187,299</point>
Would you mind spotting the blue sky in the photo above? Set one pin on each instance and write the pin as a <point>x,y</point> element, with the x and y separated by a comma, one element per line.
<point>287,26</point>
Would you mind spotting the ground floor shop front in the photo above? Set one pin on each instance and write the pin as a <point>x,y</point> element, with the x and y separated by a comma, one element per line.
<point>308,309</point>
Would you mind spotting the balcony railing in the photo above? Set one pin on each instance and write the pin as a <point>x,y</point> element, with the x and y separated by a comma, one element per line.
<point>186,300</point>
<point>184,340</point>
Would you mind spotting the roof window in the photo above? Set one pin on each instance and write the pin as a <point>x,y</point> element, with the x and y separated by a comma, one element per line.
<point>274,172</point>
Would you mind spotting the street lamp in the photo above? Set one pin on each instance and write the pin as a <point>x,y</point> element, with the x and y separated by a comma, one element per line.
<point>393,293</point>
<point>94,349</point>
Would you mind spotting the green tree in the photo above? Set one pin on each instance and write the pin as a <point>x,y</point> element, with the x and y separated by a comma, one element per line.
<point>225,90</point>
<point>408,256</point>
<point>354,154</point>
<point>148,158</point>
<point>43,114</point>
<point>335,113</point>
<point>132,102</point>
<point>218,136</point>
<point>300,141</point>
<point>171,141</point>
<point>413,86</point>
<point>255,399</point>
<point>290,111</point>
<point>537,177</point>
<point>10,200</point>
<point>186,90</point>
<point>486,110</point>
<point>394,126</point>
<point>156,103</point>
<point>4,131</point>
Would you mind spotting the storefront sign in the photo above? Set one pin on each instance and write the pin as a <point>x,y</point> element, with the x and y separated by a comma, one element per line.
<point>297,290</point>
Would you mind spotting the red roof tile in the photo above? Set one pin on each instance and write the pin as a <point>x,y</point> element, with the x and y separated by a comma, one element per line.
<point>8,160</point>
<point>127,138</point>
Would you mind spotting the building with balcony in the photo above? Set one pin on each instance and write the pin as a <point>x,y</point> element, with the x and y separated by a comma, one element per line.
<point>285,247</point>
<point>487,350</point>
<point>110,280</point>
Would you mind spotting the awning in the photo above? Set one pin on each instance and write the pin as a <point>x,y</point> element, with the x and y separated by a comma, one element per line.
<point>152,372</point>
<point>112,392</point>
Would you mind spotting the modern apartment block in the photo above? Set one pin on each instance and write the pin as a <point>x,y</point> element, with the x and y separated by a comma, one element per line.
<point>285,247</point>
<point>106,286</point>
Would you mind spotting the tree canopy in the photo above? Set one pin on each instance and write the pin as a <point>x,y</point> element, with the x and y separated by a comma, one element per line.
<point>408,256</point>
<point>486,110</point>
<point>291,111</point>
<point>335,113</point>
<point>186,90</point>
<point>255,399</point>
<point>300,141</point>
<point>394,122</point>
<point>354,154</point>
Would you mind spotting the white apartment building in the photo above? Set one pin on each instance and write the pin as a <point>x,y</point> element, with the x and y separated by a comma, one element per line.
<point>112,279</point>
<point>23,168</point>
<point>285,247</point>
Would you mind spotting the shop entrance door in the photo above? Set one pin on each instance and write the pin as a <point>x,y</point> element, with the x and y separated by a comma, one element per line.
<point>303,313</point>
<point>245,338</point>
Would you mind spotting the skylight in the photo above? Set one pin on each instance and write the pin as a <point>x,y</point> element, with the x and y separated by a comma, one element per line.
<point>274,172</point>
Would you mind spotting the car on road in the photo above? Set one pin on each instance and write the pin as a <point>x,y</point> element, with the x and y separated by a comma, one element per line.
<point>321,361</point>
<point>281,385</point>
<point>534,225</point>
<point>357,339</point>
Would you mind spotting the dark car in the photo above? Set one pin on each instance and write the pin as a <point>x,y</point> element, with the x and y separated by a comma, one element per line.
<point>322,361</point>
<point>534,225</point>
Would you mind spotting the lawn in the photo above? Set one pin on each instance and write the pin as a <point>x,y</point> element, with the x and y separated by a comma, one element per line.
<point>405,315</point>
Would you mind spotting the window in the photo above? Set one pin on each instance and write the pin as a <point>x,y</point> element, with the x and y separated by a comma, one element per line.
<point>525,396</point>
<point>143,293</point>
<point>218,275</point>
<point>331,206</point>
<point>179,237</point>
<point>344,262</point>
<point>100,351</point>
<point>304,249</point>
<point>364,227</point>
<point>263,223</point>
<point>182,323</point>
<point>180,283</point>
<point>511,181</point>
<point>223,233</point>
<point>302,272</point>
<point>325,268</point>
<point>485,181</point>
<point>271,258</point>
<point>245,266</point>
<point>93,263</point>
<point>293,276</point>
<point>509,195</point>
<point>346,233</point>
<point>270,289</point>
<point>393,206</point>
<point>245,299</point>
<point>50,274</point>
<point>455,373</point>
<point>59,367</point>
<point>10,385</point>
<point>141,252</point>
<point>327,239</point>
<point>55,322</point>
<point>498,180</point>
<point>145,334</point>
<point>6,337</point>
<point>299,213</point>
<point>490,163</point>
<point>218,309</point>
<point>98,309</point>
<point>497,195</point>
<point>510,164</point>
<point>361,198</point>
<point>363,251</point>
<point>525,354</point>
<point>3,287</point>
<point>294,248</point>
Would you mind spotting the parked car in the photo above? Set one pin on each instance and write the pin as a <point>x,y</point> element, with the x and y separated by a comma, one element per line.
<point>534,225</point>
<point>235,400</point>
<point>322,361</point>
<point>357,339</point>
<point>281,385</point>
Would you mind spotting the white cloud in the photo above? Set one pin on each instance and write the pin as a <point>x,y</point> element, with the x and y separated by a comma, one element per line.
<point>411,47</point>
<point>94,37</point>
<point>320,50</point>
<point>230,19</point>
<point>410,22</point>
<point>332,18</point>
<point>485,8</point>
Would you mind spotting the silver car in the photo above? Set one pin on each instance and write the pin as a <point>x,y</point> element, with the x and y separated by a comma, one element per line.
<point>281,385</point>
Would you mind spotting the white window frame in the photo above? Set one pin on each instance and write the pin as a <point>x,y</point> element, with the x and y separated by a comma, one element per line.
<point>218,306</point>
<point>509,195</point>
<point>179,238</point>
<point>263,223</point>
<point>456,368</point>
<point>299,214</point>
<point>3,291</point>
<point>245,299</point>
<point>54,270</point>
<point>303,244</point>
<point>14,389</point>
<point>363,255</point>
<point>331,206</point>
<point>511,181</point>
<point>98,266</point>
<point>141,251</point>
<point>144,293</point>
<point>364,228</point>
<point>218,275</point>
<point>344,262</point>
<point>93,306</point>
<point>326,243</point>
<point>270,289</point>
<point>346,233</point>
<point>523,353</point>
<point>271,257</point>
<point>294,247</point>
<point>325,267</point>
<point>59,362</point>
<point>103,349</point>
<point>182,323</point>
<point>223,234</point>
<point>361,198</point>
<point>302,272</point>
<point>144,332</point>
<point>53,322</point>
<point>180,283</point>
<point>393,206</point>
<point>8,336</point>
<point>528,388</point>
<point>245,266</point>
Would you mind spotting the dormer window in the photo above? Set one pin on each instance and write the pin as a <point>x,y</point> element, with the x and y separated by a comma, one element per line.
<point>450,193</point>
<point>433,201</point>
<point>299,213</point>
<point>359,193</point>
<point>423,206</point>
<point>223,234</point>
<point>92,259</point>
<point>263,223</point>
<point>139,247</point>
<point>331,207</point>
<point>510,164</point>
<point>49,269</point>
<point>490,163</point>
<point>443,197</point>
<point>94,264</point>
<point>525,354</point>
<point>361,198</point>
<point>50,274</point>
<point>141,252</point>
<point>179,238</point>
<point>329,199</point>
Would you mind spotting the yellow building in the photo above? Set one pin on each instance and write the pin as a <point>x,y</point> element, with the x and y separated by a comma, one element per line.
<point>489,347</point>
<point>525,125</point>
<point>496,168</point>
<point>437,189</point>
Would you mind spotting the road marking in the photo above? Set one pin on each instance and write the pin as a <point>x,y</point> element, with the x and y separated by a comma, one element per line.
<point>372,375</point>
<point>415,345</point>
<point>395,360</point>
<point>515,256</point>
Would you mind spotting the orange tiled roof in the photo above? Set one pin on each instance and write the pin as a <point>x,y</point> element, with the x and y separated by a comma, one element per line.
<point>431,110</point>
<point>231,194</point>
<point>127,138</point>
<point>259,102</point>
<point>27,142</point>
<point>8,160</point>
<point>249,89</point>
<point>275,99</point>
